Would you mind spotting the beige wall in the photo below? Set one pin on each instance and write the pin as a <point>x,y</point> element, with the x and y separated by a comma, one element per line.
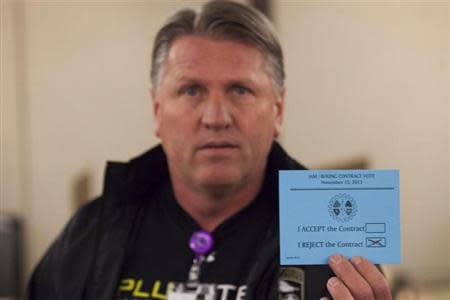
<point>367,80</point>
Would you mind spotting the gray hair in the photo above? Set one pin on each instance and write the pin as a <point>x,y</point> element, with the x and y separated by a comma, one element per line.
<point>221,20</point>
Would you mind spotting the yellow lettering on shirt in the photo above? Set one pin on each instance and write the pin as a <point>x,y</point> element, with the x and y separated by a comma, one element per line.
<point>155,292</point>
<point>170,287</point>
<point>137,291</point>
<point>126,285</point>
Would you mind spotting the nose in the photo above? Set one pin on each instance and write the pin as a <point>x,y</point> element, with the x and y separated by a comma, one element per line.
<point>216,114</point>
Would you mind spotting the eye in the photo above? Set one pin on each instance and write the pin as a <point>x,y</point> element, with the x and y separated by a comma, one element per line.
<point>191,91</point>
<point>240,90</point>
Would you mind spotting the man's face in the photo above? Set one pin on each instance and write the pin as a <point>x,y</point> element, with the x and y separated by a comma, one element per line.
<point>216,112</point>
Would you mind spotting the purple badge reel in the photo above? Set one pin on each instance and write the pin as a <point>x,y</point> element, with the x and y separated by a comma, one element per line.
<point>201,243</point>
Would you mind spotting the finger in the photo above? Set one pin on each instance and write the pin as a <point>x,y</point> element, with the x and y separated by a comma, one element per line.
<point>338,290</point>
<point>345,271</point>
<point>374,277</point>
<point>323,298</point>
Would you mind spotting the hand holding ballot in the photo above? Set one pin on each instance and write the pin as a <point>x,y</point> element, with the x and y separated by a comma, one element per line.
<point>356,279</point>
<point>355,213</point>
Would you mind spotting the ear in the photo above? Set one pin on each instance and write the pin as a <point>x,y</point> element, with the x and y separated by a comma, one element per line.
<point>279,112</point>
<point>156,112</point>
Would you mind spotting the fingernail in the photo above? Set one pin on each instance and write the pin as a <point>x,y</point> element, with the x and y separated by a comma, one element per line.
<point>356,260</point>
<point>336,259</point>
<point>333,281</point>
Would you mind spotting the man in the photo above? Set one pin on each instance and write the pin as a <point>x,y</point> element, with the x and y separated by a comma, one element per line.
<point>218,99</point>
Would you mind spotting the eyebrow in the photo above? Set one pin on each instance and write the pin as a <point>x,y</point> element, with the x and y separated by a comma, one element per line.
<point>231,82</point>
<point>188,79</point>
<point>242,82</point>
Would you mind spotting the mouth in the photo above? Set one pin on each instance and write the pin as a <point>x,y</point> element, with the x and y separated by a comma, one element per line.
<point>218,145</point>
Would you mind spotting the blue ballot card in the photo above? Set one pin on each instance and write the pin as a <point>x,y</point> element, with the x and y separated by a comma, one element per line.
<point>352,212</point>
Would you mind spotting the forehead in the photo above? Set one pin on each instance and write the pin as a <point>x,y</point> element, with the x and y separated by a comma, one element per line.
<point>196,56</point>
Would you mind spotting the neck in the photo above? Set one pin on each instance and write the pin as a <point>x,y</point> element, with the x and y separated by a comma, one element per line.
<point>210,207</point>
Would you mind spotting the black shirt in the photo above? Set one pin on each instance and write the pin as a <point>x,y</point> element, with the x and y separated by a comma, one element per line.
<point>158,253</point>
<point>102,242</point>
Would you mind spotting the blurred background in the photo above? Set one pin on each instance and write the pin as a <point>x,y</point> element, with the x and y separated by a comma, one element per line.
<point>367,87</point>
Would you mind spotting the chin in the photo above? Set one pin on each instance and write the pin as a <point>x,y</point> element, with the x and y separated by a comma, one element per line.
<point>219,179</point>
